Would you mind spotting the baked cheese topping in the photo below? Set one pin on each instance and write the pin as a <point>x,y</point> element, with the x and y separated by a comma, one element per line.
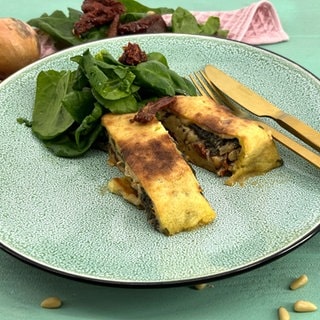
<point>163,180</point>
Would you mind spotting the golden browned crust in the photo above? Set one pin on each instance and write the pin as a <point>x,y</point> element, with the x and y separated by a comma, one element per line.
<point>152,159</point>
<point>258,150</point>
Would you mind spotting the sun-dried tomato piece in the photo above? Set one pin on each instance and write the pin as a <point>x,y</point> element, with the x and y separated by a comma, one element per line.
<point>152,23</point>
<point>133,55</point>
<point>149,111</point>
<point>97,13</point>
<point>113,28</point>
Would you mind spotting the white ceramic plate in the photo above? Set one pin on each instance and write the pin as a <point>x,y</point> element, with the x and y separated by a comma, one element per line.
<point>55,214</point>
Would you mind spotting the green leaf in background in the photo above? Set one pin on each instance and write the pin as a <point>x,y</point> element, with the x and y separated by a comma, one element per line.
<point>59,27</point>
<point>135,6</point>
<point>221,33</point>
<point>132,16</point>
<point>184,22</point>
<point>211,26</point>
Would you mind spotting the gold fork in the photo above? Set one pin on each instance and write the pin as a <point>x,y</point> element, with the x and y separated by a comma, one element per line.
<point>202,84</point>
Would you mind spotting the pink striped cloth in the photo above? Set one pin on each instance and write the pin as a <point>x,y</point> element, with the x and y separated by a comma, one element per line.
<point>256,24</point>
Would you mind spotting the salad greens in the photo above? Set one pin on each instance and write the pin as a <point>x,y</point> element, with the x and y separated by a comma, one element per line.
<point>59,26</point>
<point>69,104</point>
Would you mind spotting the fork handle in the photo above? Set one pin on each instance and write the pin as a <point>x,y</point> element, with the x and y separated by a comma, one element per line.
<point>299,129</point>
<point>294,146</point>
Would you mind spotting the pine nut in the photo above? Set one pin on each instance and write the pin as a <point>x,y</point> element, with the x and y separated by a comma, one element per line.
<point>283,314</point>
<point>51,303</point>
<point>304,306</point>
<point>299,282</point>
<point>200,286</point>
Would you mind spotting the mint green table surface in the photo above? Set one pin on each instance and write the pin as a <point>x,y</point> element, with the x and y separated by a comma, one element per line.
<point>254,295</point>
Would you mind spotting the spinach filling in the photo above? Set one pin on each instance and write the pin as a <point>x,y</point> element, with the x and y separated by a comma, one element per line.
<point>214,143</point>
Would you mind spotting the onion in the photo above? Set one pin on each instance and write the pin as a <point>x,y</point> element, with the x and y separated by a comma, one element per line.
<point>19,46</point>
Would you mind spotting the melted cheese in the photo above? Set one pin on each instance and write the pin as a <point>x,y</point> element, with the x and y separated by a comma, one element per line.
<point>122,187</point>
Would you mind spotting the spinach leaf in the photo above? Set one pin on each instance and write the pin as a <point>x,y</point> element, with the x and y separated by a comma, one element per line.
<point>65,145</point>
<point>158,57</point>
<point>75,142</point>
<point>123,105</point>
<point>160,81</point>
<point>88,126</point>
<point>79,103</point>
<point>106,57</point>
<point>24,121</point>
<point>135,6</point>
<point>182,86</point>
<point>59,26</point>
<point>184,22</point>
<point>132,16</point>
<point>80,80</point>
<point>50,118</point>
<point>221,33</point>
<point>154,76</point>
<point>110,82</point>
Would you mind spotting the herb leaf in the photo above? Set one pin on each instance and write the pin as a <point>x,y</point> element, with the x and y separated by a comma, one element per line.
<point>184,22</point>
<point>50,118</point>
<point>59,26</point>
<point>79,103</point>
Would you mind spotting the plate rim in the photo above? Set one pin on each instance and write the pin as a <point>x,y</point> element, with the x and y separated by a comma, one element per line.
<point>163,284</point>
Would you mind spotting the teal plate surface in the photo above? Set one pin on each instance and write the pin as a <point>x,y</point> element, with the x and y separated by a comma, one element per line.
<point>55,214</point>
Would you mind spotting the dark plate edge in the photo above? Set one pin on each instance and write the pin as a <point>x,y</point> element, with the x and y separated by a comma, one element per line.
<point>165,284</point>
